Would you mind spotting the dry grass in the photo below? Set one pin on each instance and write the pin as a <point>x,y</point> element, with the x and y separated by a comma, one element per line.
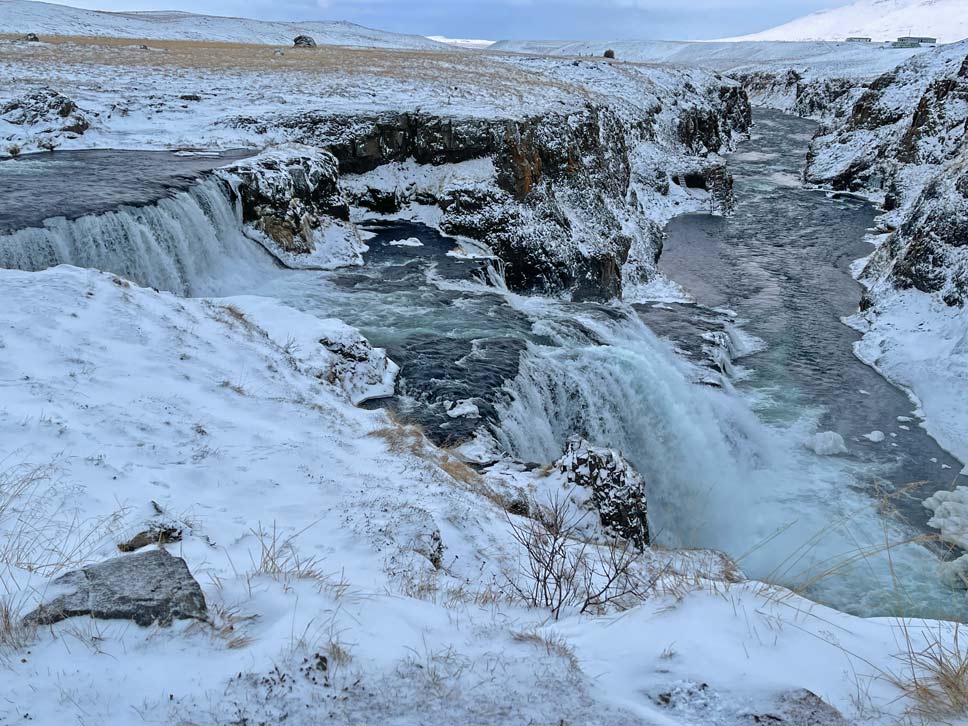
<point>933,673</point>
<point>39,536</point>
<point>456,69</point>
<point>551,643</point>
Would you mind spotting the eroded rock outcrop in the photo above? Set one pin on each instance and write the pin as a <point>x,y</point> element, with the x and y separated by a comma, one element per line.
<point>149,587</point>
<point>616,491</point>
<point>291,196</point>
<point>816,98</point>
<point>905,139</point>
<point>562,203</point>
<point>47,112</point>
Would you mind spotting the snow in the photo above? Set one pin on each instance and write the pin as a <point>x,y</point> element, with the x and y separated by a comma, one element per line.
<point>815,58</point>
<point>471,43</point>
<point>827,443</point>
<point>875,437</point>
<point>125,396</point>
<point>921,344</point>
<point>49,19</point>
<point>219,412</point>
<point>880,20</point>
<point>464,408</point>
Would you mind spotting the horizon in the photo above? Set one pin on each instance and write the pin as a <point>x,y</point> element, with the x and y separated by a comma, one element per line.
<point>508,19</point>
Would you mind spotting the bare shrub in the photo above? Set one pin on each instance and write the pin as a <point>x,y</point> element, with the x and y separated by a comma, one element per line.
<point>13,150</point>
<point>561,572</point>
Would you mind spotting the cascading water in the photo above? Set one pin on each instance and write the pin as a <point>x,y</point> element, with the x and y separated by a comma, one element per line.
<point>190,243</point>
<point>718,476</point>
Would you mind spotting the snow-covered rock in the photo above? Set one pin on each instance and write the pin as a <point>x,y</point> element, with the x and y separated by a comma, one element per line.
<point>615,491</point>
<point>43,113</point>
<point>291,197</point>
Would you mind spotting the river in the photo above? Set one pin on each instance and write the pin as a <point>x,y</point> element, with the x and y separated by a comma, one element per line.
<point>723,455</point>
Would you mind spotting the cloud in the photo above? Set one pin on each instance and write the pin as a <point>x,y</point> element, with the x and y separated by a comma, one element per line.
<point>573,19</point>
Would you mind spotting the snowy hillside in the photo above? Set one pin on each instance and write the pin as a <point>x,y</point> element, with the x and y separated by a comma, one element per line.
<point>946,20</point>
<point>840,59</point>
<point>25,16</point>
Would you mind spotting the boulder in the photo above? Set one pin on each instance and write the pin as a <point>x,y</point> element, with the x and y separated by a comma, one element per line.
<point>291,195</point>
<point>801,708</point>
<point>616,490</point>
<point>148,587</point>
<point>30,38</point>
<point>303,41</point>
<point>46,111</point>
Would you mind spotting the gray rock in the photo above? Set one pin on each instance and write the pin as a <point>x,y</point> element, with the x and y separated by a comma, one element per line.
<point>801,708</point>
<point>31,38</point>
<point>148,587</point>
<point>303,41</point>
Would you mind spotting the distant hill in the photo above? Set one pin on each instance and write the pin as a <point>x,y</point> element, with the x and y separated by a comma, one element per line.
<point>823,58</point>
<point>26,16</point>
<point>946,20</point>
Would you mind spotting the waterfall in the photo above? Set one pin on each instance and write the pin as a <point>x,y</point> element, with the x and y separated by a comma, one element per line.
<point>190,243</point>
<point>718,476</point>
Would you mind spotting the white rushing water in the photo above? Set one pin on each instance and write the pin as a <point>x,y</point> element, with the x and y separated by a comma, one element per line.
<point>190,243</point>
<point>718,476</point>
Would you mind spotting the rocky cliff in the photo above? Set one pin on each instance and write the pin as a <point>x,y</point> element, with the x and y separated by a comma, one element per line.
<point>570,200</point>
<point>904,142</point>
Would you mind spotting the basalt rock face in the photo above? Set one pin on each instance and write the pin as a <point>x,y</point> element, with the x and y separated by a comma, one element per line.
<point>292,196</point>
<point>818,98</point>
<point>617,492</point>
<point>905,139</point>
<point>561,202</point>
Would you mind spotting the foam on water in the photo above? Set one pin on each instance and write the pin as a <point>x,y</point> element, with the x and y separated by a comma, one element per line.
<point>718,476</point>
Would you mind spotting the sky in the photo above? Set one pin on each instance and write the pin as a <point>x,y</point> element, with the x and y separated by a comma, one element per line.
<point>513,19</point>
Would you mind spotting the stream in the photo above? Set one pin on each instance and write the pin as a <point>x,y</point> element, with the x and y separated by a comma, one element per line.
<point>714,421</point>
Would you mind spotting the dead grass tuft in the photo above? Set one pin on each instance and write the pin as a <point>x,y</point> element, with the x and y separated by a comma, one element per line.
<point>934,672</point>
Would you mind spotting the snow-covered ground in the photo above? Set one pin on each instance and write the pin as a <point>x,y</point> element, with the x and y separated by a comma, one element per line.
<point>472,43</point>
<point>127,94</point>
<point>318,529</point>
<point>48,19</point>
<point>819,59</point>
<point>879,20</point>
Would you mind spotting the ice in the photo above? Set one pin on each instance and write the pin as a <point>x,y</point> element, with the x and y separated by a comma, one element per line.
<point>875,436</point>
<point>827,443</point>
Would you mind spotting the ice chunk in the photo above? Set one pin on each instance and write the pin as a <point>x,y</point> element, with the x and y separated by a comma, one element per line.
<point>827,443</point>
<point>875,436</point>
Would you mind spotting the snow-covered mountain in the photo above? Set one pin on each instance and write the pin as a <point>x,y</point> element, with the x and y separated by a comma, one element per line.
<point>946,20</point>
<point>26,16</point>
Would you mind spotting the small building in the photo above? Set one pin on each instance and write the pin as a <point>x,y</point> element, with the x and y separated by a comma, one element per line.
<point>905,44</point>
<point>859,39</point>
<point>918,40</point>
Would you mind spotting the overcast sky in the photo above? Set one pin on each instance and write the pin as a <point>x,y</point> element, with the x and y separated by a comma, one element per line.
<point>497,19</point>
